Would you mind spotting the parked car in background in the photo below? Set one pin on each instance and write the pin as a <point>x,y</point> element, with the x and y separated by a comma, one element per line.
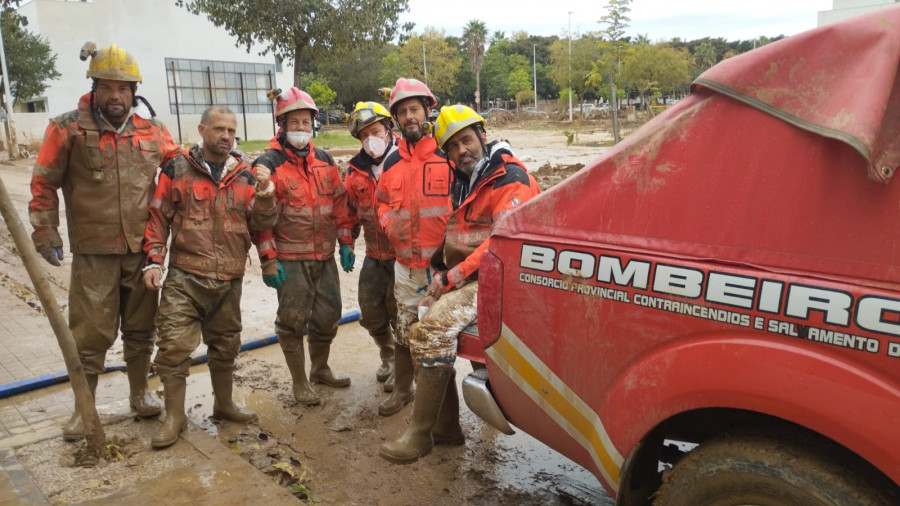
<point>335,116</point>
<point>493,111</point>
<point>533,112</point>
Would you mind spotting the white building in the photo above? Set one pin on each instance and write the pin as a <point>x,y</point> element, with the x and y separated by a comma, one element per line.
<point>843,9</point>
<point>182,57</point>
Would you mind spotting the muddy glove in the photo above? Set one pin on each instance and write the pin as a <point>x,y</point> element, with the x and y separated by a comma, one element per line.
<point>273,273</point>
<point>347,258</point>
<point>52,255</point>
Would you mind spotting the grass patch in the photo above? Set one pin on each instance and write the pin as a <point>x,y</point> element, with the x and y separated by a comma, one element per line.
<point>330,138</point>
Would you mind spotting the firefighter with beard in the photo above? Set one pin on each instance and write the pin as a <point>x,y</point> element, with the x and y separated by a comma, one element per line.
<point>489,182</point>
<point>104,155</point>
<point>371,123</point>
<point>413,206</point>
<point>313,215</point>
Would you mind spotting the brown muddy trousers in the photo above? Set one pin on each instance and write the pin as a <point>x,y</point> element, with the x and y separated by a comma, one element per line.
<point>433,339</point>
<point>194,307</point>
<point>309,302</point>
<point>377,306</point>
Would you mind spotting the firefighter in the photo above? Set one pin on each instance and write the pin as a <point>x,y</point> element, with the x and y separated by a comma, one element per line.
<point>371,123</point>
<point>208,199</point>
<point>313,215</point>
<point>413,197</point>
<point>105,156</point>
<point>489,182</point>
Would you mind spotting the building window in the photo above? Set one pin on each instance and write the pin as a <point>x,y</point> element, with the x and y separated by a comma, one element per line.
<point>36,105</point>
<point>195,85</point>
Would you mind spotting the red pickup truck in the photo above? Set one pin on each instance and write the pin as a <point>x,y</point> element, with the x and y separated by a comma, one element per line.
<point>710,314</point>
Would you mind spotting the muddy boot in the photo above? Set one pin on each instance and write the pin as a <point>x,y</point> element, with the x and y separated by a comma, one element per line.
<point>175,421</point>
<point>385,344</point>
<point>447,430</point>
<point>73,430</point>
<point>141,399</point>
<point>319,372</point>
<point>403,392</point>
<point>417,441</point>
<point>303,392</point>
<point>389,384</point>
<point>223,405</point>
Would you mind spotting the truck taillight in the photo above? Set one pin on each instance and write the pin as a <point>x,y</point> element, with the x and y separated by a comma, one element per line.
<point>490,286</point>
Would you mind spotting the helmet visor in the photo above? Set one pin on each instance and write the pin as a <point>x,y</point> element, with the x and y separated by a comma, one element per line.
<point>362,118</point>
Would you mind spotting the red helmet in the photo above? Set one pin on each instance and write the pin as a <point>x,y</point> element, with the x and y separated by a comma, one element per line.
<point>295,99</point>
<point>408,88</point>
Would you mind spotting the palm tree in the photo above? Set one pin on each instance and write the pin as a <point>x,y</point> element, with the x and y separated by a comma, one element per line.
<point>474,35</point>
<point>705,55</point>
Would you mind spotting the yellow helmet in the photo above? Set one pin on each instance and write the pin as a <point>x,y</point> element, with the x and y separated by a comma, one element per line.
<point>113,63</point>
<point>365,114</point>
<point>452,119</point>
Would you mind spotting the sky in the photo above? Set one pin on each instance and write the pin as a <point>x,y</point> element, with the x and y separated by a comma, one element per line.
<point>658,19</point>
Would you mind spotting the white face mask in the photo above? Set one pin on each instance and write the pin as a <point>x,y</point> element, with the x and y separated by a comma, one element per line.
<point>374,146</point>
<point>298,139</point>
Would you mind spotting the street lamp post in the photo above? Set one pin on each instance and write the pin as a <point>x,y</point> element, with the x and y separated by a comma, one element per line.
<point>534,71</point>
<point>7,99</point>
<point>570,66</point>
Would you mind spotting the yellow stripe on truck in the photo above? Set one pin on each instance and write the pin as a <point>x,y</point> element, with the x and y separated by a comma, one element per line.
<point>556,399</point>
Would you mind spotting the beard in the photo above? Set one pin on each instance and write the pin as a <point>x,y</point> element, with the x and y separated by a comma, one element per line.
<point>114,110</point>
<point>415,135</point>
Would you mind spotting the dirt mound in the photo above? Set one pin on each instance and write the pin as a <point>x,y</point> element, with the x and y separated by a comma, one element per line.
<point>548,176</point>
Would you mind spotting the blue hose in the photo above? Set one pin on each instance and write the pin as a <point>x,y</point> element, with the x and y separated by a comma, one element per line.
<point>22,386</point>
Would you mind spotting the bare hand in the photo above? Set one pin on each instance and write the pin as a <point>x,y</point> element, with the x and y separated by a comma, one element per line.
<point>153,279</point>
<point>263,177</point>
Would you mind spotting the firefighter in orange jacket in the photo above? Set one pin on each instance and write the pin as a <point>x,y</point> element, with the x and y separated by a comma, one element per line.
<point>413,205</point>
<point>489,182</point>
<point>313,215</point>
<point>208,199</point>
<point>370,122</point>
<point>105,156</point>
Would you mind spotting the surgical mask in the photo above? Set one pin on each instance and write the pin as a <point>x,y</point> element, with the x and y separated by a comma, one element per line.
<point>374,146</point>
<point>298,139</point>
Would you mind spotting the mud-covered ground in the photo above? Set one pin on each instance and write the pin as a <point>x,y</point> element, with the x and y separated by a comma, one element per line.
<point>327,453</point>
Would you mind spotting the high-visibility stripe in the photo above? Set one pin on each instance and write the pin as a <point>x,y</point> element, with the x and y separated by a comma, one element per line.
<point>558,401</point>
<point>434,212</point>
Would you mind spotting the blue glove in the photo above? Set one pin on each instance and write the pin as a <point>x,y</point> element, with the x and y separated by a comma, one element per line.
<point>273,274</point>
<point>347,258</point>
<point>53,255</point>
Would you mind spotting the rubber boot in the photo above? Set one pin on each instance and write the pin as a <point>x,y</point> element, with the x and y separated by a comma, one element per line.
<point>447,430</point>
<point>175,421</point>
<point>224,407</point>
<point>73,430</point>
<point>417,441</point>
<point>319,372</point>
<point>389,384</point>
<point>303,391</point>
<point>403,392</point>
<point>141,400</point>
<point>386,351</point>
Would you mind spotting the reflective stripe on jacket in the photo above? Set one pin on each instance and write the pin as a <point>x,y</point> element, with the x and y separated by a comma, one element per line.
<point>313,212</point>
<point>361,184</point>
<point>414,201</point>
<point>499,189</point>
<point>107,179</point>
<point>213,223</point>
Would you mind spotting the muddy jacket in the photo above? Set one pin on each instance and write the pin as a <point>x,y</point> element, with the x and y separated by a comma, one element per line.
<point>107,180</point>
<point>313,212</point>
<point>498,189</point>
<point>361,184</point>
<point>212,223</point>
<point>414,201</point>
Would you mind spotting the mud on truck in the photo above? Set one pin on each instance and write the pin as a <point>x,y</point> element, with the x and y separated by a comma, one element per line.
<point>710,313</point>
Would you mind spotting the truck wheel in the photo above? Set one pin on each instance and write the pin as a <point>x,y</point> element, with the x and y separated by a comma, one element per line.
<point>762,469</point>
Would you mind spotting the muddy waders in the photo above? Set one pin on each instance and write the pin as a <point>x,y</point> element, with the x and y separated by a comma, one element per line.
<point>403,392</point>
<point>319,372</point>
<point>137,369</point>
<point>224,407</point>
<point>176,420</point>
<point>447,430</point>
<point>417,441</point>
<point>73,430</point>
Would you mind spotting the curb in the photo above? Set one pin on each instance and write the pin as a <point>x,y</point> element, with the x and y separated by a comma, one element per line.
<point>22,386</point>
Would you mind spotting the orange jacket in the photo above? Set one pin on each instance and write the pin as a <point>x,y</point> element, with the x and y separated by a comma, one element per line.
<point>414,200</point>
<point>107,179</point>
<point>313,212</point>
<point>212,223</point>
<point>499,188</point>
<point>361,183</point>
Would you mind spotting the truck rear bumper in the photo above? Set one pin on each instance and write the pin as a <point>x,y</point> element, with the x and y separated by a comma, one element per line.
<point>477,394</point>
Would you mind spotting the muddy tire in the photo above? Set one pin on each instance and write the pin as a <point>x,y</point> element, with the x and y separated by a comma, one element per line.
<point>763,470</point>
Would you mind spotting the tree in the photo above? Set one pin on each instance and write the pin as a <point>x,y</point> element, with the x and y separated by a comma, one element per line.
<point>443,62</point>
<point>355,76</point>
<point>291,28</point>
<point>616,19</point>
<point>656,68</point>
<point>705,55</point>
<point>585,51</point>
<point>474,36</point>
<point>318,89</point>
<point>29,60</point>
<point>519,75</point>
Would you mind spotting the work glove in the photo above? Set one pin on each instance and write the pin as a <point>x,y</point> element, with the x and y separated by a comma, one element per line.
<point>53,255</point>
<point>347,258</point>
<point>273,274</point>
